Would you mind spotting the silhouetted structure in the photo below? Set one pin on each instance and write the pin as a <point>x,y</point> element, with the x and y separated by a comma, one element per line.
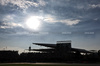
<point>59,47</point>
<point>8,56</point>
<point>60,52</point>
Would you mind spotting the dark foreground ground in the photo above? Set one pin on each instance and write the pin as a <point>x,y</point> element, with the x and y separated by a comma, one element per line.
<point>46,64</point>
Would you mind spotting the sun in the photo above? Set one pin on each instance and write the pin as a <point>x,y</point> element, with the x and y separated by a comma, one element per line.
<point>33,22</point>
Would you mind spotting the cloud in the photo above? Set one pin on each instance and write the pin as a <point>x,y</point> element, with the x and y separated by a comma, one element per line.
<point>10,25</point>
<point>23,4</point>
<point>69,22</point>
<point>8,22</point>
<point>8,18</point>
<point>50,20</point>
<point>94,5</point>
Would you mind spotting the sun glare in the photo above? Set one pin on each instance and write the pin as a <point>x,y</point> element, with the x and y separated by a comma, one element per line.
<point>33,22</point>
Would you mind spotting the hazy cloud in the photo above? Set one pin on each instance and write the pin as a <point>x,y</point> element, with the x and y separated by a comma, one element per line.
<point>70,22</point>
<point>95,5</point>
<point>10,25</point>
<point>23,4</point>
<point>8,18</point>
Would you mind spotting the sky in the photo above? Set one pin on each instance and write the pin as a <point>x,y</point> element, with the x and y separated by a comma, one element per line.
<point>23,22</point>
